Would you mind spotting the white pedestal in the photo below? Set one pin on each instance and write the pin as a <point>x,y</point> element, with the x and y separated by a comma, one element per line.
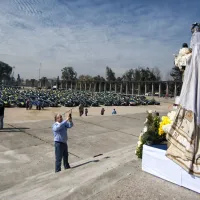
<point>155,162</point>
<point>190,182</point>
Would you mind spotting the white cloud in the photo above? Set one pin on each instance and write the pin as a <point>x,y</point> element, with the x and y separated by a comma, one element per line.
<point>87,37</point>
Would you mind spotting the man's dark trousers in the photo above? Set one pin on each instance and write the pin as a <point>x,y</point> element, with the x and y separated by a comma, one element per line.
<point>1,121</point>
<point>61,152</point>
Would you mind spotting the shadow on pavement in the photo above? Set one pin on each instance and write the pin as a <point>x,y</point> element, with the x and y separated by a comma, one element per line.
<point>84,163</point>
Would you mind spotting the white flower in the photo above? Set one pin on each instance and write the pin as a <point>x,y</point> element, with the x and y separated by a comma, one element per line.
<point>139,143</point>
<point>172,115</point>
<point>145,129</point>
<point>146,121</point>
<point>166,128</point>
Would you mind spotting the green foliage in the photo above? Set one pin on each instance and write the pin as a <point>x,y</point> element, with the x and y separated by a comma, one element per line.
<point>139,151</point>
<point>85,78</point>
<point>69,74</point>
<point>176,74</point>
<point>151,135</point>
<point>5,71</point>
<point>18,80</point>
<point>99,78</point>
<point>32,82</point>
<point>58,82</point>
<point>128,75</point>
<point>142,74</point>
<point>44,81</point>
<point>110,75</point>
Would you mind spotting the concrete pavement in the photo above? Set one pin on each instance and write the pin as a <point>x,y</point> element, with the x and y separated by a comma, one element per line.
<point>27,162</point>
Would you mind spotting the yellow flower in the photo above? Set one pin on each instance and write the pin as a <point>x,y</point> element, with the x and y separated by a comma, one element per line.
<point>165,121</point>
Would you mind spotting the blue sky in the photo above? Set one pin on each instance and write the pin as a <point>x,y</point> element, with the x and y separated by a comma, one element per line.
<point>92,34</point>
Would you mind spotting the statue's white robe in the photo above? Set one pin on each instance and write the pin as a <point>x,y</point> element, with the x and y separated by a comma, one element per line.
<point>184,135</point>
<point>190,93</point>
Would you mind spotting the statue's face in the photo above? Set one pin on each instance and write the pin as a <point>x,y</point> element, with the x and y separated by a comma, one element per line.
<point>195,28</point>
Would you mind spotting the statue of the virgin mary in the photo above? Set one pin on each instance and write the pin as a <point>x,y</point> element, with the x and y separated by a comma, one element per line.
<point>184,134</point>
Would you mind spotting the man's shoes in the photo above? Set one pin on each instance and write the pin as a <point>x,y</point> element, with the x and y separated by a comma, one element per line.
<point>68,167</point>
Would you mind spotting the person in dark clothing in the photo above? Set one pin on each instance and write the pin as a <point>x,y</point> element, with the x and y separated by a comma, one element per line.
<point>30,105</point>
<point>86,111</point>
<point>81,110</point>
<point>38,107</point>
<point>2,108</point>
<point>102,111</point>
<point>27,104</point>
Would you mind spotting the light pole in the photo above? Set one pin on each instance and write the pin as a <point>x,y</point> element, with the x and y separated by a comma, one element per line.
<point>39,75</point>
<point>39,70</point>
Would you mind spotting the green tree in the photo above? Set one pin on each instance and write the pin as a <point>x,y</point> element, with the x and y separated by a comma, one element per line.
<point>157,73</point>
<point>69,74</point>
<point>58,82</point>
<point>18,80</point>
<point>5,71</point>
<point>176,74</point>
<point>43,81</point>
<point>85,78</point>
<point>142,74</point>
<point>128,75</point>
<point>137,75</point>
<point>32,82</point>
<point>99,78</point>
<point>119,79</point>
<point>110,75</point>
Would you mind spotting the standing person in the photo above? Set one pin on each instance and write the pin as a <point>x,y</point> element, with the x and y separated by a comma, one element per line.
<point>86,111</point>
<point>60,138</point>
<point>2,108</point>
<point>30,105</point>
<point>114,112</point>
<point>102,111</point>
<point>42,105</point>
<point>81,110</point>
<point>182,58</point>
<point>27,104</point>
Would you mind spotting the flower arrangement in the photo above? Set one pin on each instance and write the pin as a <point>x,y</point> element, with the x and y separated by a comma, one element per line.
<point>155,130</point>
<point>149,134</point>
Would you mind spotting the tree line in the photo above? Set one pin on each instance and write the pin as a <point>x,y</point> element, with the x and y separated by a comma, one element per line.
<point>137,74</point>
<point>140,74</point>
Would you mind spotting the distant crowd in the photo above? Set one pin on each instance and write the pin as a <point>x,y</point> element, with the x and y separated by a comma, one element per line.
<point>85,111</point>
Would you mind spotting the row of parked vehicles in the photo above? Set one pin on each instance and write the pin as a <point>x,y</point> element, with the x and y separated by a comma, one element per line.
<point>12,97</point>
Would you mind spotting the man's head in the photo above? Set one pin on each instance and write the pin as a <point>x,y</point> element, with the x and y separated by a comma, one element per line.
<point>58,118</point>
<point>185,45</point>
